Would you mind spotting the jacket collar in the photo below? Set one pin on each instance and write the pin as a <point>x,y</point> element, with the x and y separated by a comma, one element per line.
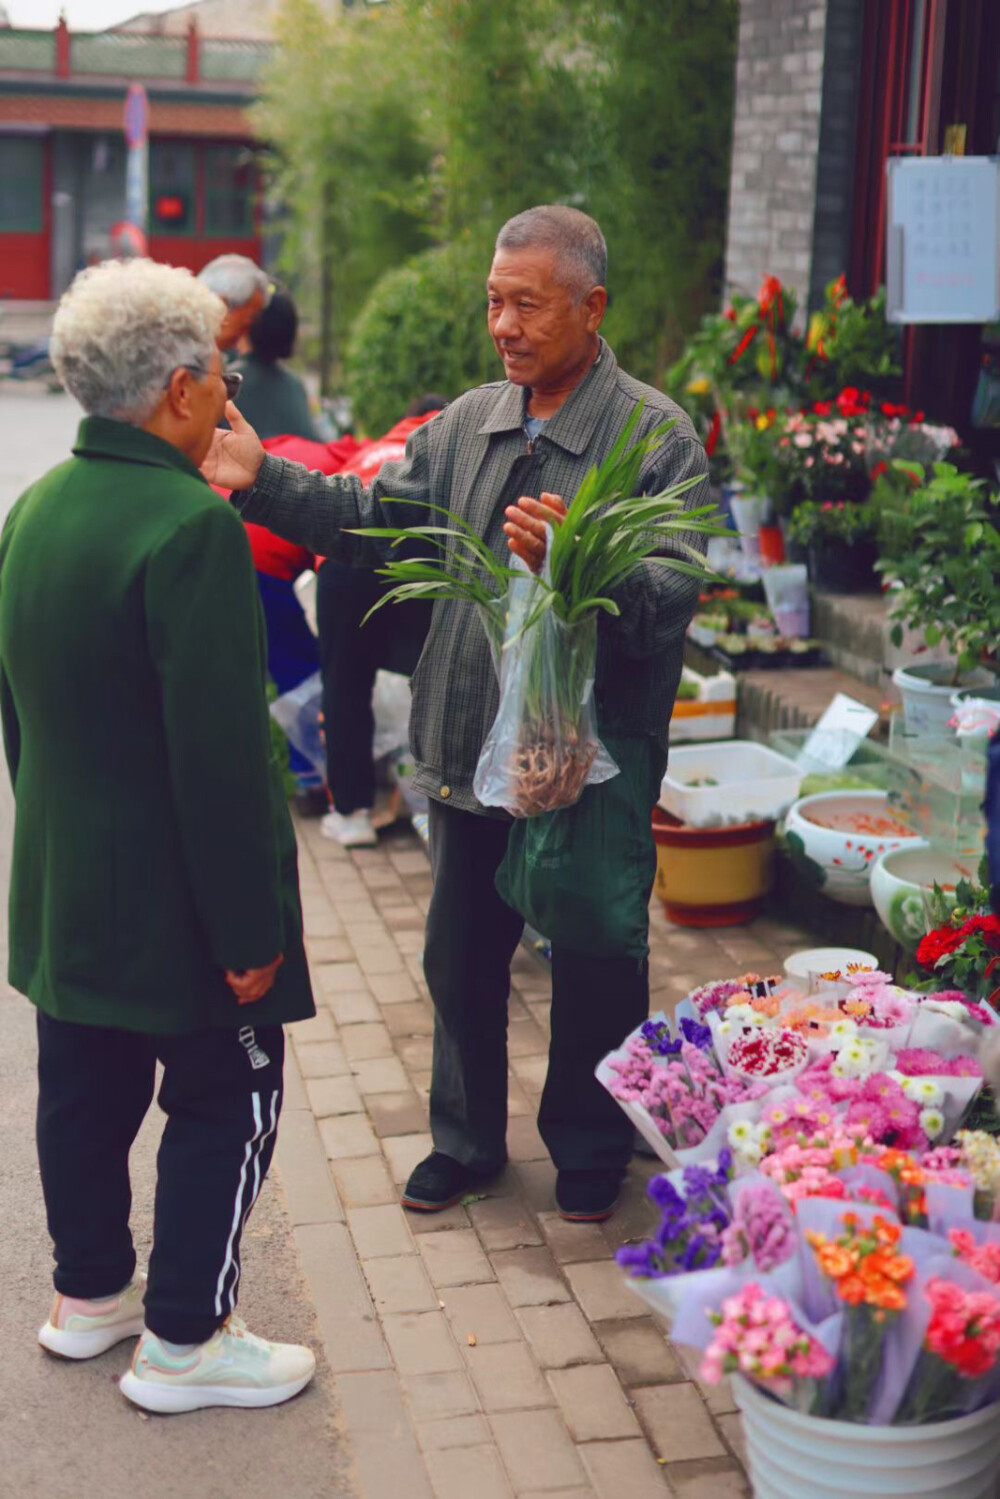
<point>100,437</point>
<point>573,425</point>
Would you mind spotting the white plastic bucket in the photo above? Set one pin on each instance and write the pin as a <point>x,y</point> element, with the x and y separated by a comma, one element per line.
<point>927,692</point>
<point>803,1457</point>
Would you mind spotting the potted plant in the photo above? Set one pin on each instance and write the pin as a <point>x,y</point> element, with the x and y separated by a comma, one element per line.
<point>839,537</point>
<point>941,550</point>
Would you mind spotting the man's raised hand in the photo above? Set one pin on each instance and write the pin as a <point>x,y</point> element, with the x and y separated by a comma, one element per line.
<point>526,527</point>
<point>234,459</point>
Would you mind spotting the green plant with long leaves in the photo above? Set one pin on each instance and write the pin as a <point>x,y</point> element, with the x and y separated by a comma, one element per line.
<point>608,532</point>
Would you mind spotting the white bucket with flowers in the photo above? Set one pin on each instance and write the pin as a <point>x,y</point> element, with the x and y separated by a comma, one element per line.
<point>792,1456</point>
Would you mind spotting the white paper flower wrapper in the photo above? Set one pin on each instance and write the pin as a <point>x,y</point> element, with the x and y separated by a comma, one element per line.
<point>949,1038</point>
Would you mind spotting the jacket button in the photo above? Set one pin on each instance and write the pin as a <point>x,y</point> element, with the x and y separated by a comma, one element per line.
<point>445,792</point>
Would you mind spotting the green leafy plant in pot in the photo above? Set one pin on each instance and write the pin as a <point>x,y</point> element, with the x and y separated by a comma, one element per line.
<point>940,546</point>
<point>550,620</point>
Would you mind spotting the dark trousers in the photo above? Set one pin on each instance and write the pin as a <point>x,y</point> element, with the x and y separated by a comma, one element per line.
<point>350,655</point>
<point>221,1093</point>
<point>471,938</point>
<point>292,653</point>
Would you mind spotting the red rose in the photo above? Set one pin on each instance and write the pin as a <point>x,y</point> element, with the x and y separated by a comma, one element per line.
<point>987,926</point>
<point>937,944</point>
<point>730,314</point>
<point>890,409</point>
<point>822,408</point>
<point>880,468</point>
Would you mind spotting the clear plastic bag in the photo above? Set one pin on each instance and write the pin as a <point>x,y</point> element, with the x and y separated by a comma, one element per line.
<point>298,713</point>
<point>543,748</point>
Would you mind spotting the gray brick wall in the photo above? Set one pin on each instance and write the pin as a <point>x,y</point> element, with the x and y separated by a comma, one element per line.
<point>776,144</point>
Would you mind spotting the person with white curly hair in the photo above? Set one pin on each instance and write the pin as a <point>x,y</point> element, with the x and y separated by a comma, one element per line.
<point>154,913</point>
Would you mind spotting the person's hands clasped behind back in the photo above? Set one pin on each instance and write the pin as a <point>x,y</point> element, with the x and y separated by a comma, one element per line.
<point>234,459</point>
<point>253,983</point>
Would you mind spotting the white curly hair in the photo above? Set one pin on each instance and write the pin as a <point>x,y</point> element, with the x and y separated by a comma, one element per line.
<point>123,327</point>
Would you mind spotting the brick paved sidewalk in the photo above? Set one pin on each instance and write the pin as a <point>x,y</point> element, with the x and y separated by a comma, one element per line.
<point>491,1349</point>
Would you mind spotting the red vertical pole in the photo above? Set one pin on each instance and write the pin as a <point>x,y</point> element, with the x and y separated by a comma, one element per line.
<point>192,51</point>
<point>62,48</point>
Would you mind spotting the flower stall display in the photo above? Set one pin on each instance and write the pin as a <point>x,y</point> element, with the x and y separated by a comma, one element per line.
<point>828,1233</point>
<point>754,1066</point>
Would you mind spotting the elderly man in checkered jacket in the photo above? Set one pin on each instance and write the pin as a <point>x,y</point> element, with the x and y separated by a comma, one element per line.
<point>503,456</point>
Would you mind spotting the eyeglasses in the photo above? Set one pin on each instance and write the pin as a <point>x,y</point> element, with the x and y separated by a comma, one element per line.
<point>231,381</point>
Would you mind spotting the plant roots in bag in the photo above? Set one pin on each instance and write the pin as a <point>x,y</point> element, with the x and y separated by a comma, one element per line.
<point>543,747</point>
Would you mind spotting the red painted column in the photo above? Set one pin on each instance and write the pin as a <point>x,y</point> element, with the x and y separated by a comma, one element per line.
<point>62,49</point>
<point>192,52</point>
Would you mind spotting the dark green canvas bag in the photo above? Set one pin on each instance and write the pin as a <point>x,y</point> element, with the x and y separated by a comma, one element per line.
<point>583,876</point>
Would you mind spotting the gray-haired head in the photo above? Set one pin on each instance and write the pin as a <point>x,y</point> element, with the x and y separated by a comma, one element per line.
<point>235,279</point>
<point>121,330</point>
<point>573,238</point>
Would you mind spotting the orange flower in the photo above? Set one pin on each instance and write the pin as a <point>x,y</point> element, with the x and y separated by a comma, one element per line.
<point>883,1294</point>
<point>853,1290</point>
<point>857,1009</point>
<point>897,1267</point>
<point>886,1233</point>
<point>836,1260</point>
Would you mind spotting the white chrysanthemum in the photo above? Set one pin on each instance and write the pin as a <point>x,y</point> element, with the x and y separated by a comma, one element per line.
<point>843,1030</point>
<point>950,1007</point>
<point>926,1090</point>
<point>931,1122</point>
<point>740,1014</point>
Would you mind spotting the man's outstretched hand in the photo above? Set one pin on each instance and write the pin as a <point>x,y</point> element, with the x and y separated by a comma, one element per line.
<point>253,983</point>
<point>526,527</point>
<point>234,459</point>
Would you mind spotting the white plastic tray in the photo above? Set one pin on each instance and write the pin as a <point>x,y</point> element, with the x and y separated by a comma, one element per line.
<point>752,783</point>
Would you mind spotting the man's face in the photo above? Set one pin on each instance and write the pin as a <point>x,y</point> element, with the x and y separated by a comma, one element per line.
<point>237,321</point>
<point>542,332</point>
<point>207,398</point>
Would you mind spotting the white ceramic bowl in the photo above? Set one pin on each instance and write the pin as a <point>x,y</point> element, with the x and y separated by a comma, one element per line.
<point>827,839</point>
<point>903,878</point>
<point>804,968</point>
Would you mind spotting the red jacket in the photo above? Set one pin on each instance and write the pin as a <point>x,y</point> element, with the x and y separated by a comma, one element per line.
<point>271,554</point>
<point>370,456</point>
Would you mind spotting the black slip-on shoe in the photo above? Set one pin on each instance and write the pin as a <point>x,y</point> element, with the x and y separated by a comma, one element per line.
<point>439,1182</point>
<point>587,1196</point>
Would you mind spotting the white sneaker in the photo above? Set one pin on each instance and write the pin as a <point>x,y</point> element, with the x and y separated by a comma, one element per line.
<point>353,830</point>
<point>233,1368</point>
<point>83,1329</point>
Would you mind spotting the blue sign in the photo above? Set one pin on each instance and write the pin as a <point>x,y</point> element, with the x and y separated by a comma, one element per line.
<point>136,115</point>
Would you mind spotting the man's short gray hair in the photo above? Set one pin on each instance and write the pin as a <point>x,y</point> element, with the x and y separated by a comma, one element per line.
<point>121,330</point>
<point>235,279</point>
<point>574,238</point>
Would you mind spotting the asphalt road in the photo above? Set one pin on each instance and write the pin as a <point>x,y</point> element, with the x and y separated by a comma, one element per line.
<point>65,1431</point>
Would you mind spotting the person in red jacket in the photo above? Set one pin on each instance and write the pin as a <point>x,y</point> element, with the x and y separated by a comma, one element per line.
<point>351,655</point>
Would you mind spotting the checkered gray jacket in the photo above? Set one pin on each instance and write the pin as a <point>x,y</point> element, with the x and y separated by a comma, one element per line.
<point>475,459</point>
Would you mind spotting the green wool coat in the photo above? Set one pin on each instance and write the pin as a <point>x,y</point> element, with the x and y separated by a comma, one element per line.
<point>152,847</point>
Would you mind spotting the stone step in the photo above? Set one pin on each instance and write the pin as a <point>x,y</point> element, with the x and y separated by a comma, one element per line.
<point>854,630</point>
<point>785,697</point>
